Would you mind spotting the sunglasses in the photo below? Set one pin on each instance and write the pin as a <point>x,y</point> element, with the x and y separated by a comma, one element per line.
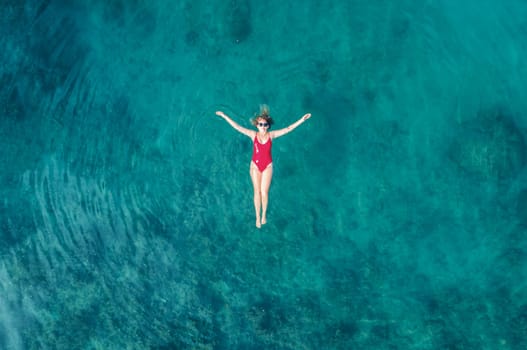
<point>263,124</point>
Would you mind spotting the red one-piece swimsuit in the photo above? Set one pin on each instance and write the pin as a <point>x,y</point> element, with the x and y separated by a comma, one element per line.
<point>262,153</point>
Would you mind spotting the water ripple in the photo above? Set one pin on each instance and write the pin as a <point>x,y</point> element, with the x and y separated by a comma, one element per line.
<point>9,322</point>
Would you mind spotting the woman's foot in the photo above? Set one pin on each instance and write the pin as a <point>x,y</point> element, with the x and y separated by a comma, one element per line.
<point>258,224</point>
<point>264,221</point>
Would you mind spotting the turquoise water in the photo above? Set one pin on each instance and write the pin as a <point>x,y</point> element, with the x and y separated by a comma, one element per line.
<point>398,212</point>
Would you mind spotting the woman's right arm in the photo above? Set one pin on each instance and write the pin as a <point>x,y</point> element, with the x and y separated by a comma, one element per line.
<point>236,126</point>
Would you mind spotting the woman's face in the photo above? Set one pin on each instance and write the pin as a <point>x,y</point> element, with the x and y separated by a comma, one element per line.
<point>262,124</point>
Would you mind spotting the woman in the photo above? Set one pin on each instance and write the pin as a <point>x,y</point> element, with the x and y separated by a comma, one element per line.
<point>261,168</point>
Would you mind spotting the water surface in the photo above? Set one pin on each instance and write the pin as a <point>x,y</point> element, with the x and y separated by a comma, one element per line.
<point>397,214</point>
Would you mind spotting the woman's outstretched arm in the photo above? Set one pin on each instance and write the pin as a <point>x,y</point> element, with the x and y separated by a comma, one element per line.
<point>282,132</point>
<point>236,126</point>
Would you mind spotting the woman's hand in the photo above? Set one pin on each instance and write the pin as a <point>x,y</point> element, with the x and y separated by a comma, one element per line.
<point>306,116</point>
<point>220,114</point>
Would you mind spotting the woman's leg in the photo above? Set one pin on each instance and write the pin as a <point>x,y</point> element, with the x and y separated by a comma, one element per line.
<point>267,175</point>
<point>256,177</point>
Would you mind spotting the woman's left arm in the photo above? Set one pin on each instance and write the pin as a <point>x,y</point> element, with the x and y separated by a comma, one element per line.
<point>282,132</point>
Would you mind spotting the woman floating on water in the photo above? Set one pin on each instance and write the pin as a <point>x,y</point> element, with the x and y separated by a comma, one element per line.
<point>261,168</point>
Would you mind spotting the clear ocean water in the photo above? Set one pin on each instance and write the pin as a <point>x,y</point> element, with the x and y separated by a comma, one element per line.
<point>398,212</point>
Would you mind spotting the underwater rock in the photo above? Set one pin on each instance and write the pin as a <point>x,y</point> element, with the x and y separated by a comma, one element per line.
<point>383,331</point>
<point>239,20</point>
<point>489,147</point>
<point>346,329</point>
<point>192,37</point>
<point>517,326</point>
<point>521,207</point>
<point>12,104</point>
<point>269,314</point>
<point>57,51</point>
<point>144,24</point>
<point>235,25</point>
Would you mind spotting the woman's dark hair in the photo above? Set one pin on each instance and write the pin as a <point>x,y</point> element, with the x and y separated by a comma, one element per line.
<point>264,114</point>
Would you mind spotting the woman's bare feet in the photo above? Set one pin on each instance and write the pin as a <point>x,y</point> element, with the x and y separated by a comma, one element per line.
<point>264,220</point>
<point>258,224</point>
